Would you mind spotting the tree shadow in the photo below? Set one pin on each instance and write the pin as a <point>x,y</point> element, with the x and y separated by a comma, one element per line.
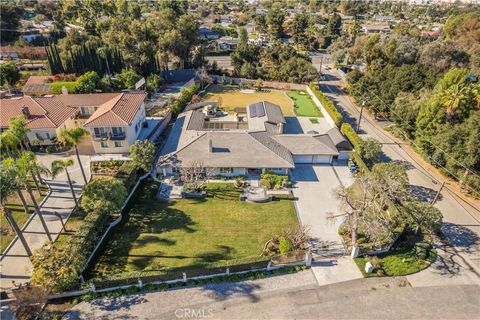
<point>420,193</point>
<point>118,304</point>
<point>461,237</point>
<point>405,164</point>
<point>222,291</point>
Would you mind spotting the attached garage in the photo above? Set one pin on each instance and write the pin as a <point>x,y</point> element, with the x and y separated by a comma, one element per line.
<point>311,159</point>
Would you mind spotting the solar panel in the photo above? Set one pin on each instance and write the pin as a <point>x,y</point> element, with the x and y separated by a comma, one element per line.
<point>260,110</point>
<point>253,110</point>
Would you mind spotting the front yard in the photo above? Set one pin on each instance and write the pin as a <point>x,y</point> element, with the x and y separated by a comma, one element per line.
<point>192,234</point>
<point>231,97</point>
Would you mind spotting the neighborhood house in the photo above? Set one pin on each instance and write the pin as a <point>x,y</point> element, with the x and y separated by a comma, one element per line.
<point>114,120</point>
<point>237,145</point>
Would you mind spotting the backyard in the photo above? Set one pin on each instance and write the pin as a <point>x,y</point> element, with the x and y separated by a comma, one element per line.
<point>192,234</point>
<point>303,105</point>
<point>231,97</point>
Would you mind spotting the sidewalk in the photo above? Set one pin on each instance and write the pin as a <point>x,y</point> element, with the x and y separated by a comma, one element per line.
<point>15,264</point>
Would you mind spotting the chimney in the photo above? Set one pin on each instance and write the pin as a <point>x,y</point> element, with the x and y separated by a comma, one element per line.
<point>25,111</point>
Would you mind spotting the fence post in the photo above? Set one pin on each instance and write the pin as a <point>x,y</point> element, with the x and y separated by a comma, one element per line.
<point>140,283</point>
<point>92,287</point>
<point>308,259</point>
<point>184,277</point>
<point>228,271</point>
<point>269,265</point>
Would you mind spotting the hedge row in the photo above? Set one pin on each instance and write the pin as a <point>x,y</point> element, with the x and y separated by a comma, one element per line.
<point>351,135</point>
<point>70,85</point>
<point>328,105</point>
<point>185,97</point>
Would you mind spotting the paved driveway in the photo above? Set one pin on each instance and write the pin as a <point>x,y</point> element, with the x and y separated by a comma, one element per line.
<point>315,200</point>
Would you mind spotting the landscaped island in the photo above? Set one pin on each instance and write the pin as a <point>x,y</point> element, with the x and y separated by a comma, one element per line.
<point>192,234</point>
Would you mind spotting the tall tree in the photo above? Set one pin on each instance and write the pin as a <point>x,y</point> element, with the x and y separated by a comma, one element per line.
<point>7,188</point>
<point>73,137</point>
<point>36,169</point>
<point>62,165</point>
<point>275,18</point>
<point>24,168</point>
<point>18,127</point>
<point>142,154</point>
<point>9,74</point>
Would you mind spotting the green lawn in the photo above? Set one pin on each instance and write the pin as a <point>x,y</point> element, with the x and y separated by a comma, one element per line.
<point>192,234</point>
<point>18,212</point>
<point>399,262</point>
<point>303,105</point>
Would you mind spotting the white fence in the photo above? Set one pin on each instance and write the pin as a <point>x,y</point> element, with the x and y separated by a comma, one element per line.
<point>319,104</point>
<point>266,84</point>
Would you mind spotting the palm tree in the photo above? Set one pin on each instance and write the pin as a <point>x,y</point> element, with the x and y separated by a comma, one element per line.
<point>452,98</point>
<point>18,128</point>
<point>9,164</point>
<point>73,137</point>
<point>36,169</point>
<point>476,94</point>
<point>8,144</point>
<point>7,187</point>
<point>24,168</point>
<point>104,52</point>
<point>62,165</point>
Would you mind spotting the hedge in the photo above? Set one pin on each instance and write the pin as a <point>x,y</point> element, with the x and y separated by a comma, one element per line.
<point>185,97</point>
<point>70,85</point>
<point>351,135</point>
<point>328,105</point>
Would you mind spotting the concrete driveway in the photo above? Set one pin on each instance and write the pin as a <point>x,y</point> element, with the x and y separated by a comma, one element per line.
<point>315,200</point>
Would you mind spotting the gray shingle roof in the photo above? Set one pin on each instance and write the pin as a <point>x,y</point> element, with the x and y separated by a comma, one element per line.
<point>265,139</point>
<point>301,144</point>
<point>338,139</point>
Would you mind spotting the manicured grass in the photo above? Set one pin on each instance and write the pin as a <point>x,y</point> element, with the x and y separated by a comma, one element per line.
<point>18,212</point>
<point>230,98</point>
<point>192,234</point>
<point>400,262</point>
<point>304,106</point>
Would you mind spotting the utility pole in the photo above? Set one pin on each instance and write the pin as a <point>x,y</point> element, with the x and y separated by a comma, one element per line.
<point>321,64</point>
<point>360,118</point>
<point>438,193</point>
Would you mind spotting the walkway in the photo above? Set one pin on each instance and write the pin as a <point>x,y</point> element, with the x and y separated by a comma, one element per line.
<point>15,264</point>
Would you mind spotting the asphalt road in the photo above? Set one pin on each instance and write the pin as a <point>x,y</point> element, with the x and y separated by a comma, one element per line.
<point>461,219</point>
<point>293,296</point>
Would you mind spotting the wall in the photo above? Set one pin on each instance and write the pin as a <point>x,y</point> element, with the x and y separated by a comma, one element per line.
<point>236,172</point>
<point>266,84</point>
<point>324,112</point>
<point>31,135</point>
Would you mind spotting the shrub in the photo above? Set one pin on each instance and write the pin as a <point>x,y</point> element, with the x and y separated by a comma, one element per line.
<point>351,135</point>
<point>70,85</point>
<point>272,180</point>
<point>285,245</point>
<point>50,149</point>
<point>328,105</point>
<point>185,97</point>
<point>422,250</point>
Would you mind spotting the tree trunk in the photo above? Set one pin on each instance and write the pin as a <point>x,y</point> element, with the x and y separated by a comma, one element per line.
<point>80,164</point>
<point>22,198</point>
<point>354,231</point>
<point>71,187</point>
<point>18,232</point>
<point>37,210</point>
<point>37,186</point>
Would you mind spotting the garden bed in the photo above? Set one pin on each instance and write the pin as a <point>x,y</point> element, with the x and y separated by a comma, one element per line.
<point>303,105</point>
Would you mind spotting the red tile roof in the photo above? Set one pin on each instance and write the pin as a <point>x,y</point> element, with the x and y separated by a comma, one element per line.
<point>118,111</point>
<point>114,109</point>
<point>42,112</point>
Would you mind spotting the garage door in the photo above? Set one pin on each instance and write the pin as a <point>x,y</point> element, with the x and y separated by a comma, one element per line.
<point>311,159</point>
<point>303,159</point>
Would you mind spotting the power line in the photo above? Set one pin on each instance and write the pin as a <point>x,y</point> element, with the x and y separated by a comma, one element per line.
<point>411,141</point>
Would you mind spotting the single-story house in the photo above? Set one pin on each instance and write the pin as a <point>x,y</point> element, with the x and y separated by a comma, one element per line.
<point>227,43</point>
<point>114,120</point>
<point>382,28</point>
<point>255,145</point>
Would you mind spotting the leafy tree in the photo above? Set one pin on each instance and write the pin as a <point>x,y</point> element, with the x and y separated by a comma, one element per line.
<point>275,18</point>
<point>299,26</point>
<point>421,215</point>
<point>10,21</point>
<point>405,108</point>
<point>88,82</point>
<point>370,150</point>
<point>153,82</point>
<point>392,178</point>
<point>260,23</point>
<point>18,128</point>
<point>142,154</point>
<point>107,194</point>
<point>126,79</point>
<point>334,25</point>
<point>9,74</point>
<point>72,137</point>
<point>62,165</point>
<point>443,55</point>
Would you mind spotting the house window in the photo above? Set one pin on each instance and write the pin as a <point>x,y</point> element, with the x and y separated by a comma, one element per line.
<point>103,144</point>
<point>118,144</point>
<point>117,130</point>
<point>42,135</point>
<point>226,170</point>
<point>99,131</point>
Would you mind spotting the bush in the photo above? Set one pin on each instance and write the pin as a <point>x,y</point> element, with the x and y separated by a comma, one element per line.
<point>285,246</point>
<point>50,149</point>
<point>71,87</point>
<point>422,250</point>
<point>351,135</point>
<point>185,97</point>
<point>272,180</point>
<point>328,105</point>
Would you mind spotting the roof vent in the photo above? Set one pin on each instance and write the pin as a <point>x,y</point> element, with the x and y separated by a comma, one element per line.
<point>25,111</point>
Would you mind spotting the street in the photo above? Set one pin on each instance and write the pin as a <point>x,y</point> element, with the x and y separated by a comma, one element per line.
<point>461,218</point>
